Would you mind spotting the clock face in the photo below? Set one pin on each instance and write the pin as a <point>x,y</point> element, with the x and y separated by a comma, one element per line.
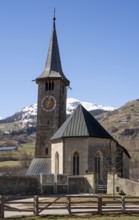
<point>48,103</point>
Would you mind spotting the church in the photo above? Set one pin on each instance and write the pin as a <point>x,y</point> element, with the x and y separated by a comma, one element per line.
<point>77,145</point>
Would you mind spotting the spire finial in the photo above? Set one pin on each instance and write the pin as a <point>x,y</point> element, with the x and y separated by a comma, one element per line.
<point>54,18</point>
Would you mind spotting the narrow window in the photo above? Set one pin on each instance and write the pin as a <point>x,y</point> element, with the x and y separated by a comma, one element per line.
<point>46,86</point>
<point>46,150</point>
<point>99,167</point>
<point>76,163</point>
<point>57,163</point>
<point>97,164</point>
<point>52,85</point>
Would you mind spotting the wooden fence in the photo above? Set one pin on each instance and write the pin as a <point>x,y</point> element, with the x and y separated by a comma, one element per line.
<point>67,205</point>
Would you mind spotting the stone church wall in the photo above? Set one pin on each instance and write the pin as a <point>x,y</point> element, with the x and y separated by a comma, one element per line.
<point>72,145</point>
<point>57,148</point>
<point>103,147</point>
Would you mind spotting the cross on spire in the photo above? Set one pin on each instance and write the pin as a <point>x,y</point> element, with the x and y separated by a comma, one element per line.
<point>54,18</point>
<point>53,67</point>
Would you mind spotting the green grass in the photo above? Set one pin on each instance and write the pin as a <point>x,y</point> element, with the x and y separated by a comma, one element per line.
<point>29,148</point>
<point>91,217</point>
<point>9,164</point>
<point>13,158</point>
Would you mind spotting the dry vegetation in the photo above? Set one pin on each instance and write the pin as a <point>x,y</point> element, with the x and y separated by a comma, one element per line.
<point>16,162</point>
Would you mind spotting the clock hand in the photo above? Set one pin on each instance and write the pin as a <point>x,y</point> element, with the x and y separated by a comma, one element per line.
<point>48,102</point>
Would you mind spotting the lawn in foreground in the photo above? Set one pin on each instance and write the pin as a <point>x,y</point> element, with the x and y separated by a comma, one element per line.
<point>93,217</point>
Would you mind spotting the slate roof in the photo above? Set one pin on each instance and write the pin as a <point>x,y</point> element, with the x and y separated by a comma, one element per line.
<point>53,67</point>
<point>81,124</point>
<point>39,165</point>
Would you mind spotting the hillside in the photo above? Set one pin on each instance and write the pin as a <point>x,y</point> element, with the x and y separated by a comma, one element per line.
<point>122,124</point>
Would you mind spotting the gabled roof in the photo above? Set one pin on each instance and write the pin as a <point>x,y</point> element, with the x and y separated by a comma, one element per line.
<point>53,68</point>
<point>81,124</point>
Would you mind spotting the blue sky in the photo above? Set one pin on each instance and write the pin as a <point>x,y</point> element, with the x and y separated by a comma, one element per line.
<point>99,48</point>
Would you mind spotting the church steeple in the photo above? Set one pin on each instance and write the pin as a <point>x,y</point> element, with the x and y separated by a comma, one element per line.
<point>51,107</point>
<point>53,67</point>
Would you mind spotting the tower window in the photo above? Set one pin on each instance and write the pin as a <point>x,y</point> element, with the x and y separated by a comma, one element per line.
<point>46,151</point>
<point>49,85</point>
<point>52,85</point>
<point>46,86</point>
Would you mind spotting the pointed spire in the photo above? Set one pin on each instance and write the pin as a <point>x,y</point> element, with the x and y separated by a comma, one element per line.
<point>53,67</point>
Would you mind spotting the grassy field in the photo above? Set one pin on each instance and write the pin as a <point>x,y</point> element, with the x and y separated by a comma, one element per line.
<point>93,217</point>
<point>13,158</point>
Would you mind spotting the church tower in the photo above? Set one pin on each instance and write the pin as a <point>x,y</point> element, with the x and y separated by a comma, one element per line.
<point>52,95</point>
<point>51,110</point>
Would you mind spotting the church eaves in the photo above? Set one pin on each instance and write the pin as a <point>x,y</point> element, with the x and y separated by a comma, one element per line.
<point>81,124</point>
<point>53,67</point>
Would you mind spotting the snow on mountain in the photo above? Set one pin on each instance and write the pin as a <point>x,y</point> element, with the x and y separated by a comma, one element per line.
<point>28,111</point>
<point>73,103</point>
<point>71,106</point>
<point>28,114</point>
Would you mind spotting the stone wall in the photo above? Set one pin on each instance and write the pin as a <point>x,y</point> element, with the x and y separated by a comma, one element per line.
<point>82,184</point>
<point>19,185</point>
<point>31,185</point>
<point>122,185</point>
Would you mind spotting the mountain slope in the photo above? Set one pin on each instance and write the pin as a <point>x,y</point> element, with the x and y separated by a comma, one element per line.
<point>123,124</point>
<point>29,113</point>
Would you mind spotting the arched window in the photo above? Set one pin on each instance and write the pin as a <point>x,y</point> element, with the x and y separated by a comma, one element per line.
<point>57,163</point>
<point>99,166</point>
<point>76,163</point>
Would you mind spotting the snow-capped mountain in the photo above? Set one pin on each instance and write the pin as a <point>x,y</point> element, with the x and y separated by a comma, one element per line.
<point>29,113</point>
<point>73,103</point>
